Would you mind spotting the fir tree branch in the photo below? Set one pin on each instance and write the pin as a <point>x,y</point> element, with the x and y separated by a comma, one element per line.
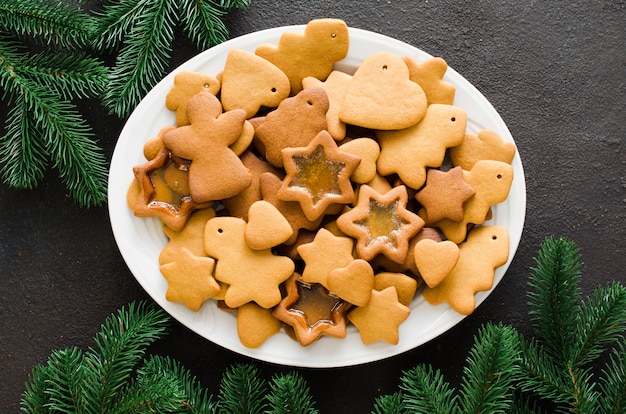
<point>555,296</point>
<point>71,76</point>
<point>142,61</point>
<point>290,394</point>
<point>34,397</point>
<point>613,382</point>
<point>116,20</point>
<point>492,364</point>
<point>602,322</point>
<point>389,404</point>
<point>242,390</point>
<point>54,23</point>
<point>120,345</point>
<point>64,381</point>
<point>424,390</point>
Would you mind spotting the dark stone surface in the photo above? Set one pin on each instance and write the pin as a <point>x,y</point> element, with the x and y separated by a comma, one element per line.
<point>554,71</point>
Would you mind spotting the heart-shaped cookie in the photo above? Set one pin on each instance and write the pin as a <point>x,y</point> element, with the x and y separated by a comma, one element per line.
<point>435,260</point>
<point>353,283</point>
<point>267,227</point>
<point>382,96</point>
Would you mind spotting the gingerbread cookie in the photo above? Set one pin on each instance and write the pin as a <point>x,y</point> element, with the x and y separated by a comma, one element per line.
<point>409,151</point>
<point>325,253</point>
<point>318,175</point>
<point>307,110</point>
<point>429,75</point>
<point>251,275</point>
<point>381,95</point>
<point>250,82</point>
<point>443,195</point>
<point>335,86</point>
<point>380,319</point>
<point>486,248</point>
<point>216,172</point>
<point>313,53</point>
<point>255,324</point>
<point>487,145</point>
<point>492,181</point>
<point>186,85</point>
<point>381,224</point>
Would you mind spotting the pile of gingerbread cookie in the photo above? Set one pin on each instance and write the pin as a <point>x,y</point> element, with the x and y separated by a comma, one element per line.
<point>306,199</point>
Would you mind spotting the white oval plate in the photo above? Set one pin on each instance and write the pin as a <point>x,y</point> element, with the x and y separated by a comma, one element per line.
<point>140,240</point>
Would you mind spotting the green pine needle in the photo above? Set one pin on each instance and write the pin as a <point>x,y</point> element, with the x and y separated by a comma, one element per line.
<point>602,322</point>
<point>389,404</point>
<point>613,383</point>
<point>424,390</point>
<point>242,390</point>
<point>491,368</point>
<point>143,31</point>
<point>64,374</point>
<point>53,23</point>
<point>120,346</point>
<point>555,296</point>
<point>290,394</point>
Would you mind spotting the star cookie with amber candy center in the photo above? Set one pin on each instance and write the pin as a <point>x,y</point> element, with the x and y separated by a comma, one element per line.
<point>381,223</point>
<point>318,175</point>
<point>312,311</point>
<point>443,195</point>
<point>190,279</point>
<point>380,319</point>
<point>156,196</point>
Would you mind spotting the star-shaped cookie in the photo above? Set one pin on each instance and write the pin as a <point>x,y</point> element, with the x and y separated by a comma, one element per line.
<point>190,279</point>
<point>312,311</point>
<point>151,203</point>
<point>443,195</point>
<point>190,237</point>
<point>325,253</point>
<point>318,175</point>
<point>380,318</point>
<point>381,223</point>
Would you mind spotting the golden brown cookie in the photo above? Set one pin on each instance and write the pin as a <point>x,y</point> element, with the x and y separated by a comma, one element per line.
<point>278,130</point>
<point>380,319</point>
<point>190,279</point>
<point>250,82</point>
<point>429,75</point>
<point>312,311</point>
<point>367,150</point>
<point>190,237</point>
<point>492,181</point>
<point>267,227</point>
<point>255,324</point>
<point>405,285</point>
<point>353,283</point>
<point>435,260</point>
<point>335,86</point>
<point>186,85</point>
<point>251,275</point>
<point>381,95</point>
<point>487,145</point>
<point>443,195</point>
<point>381,224</point>
<point>325,253</point>
<point>486,248</point>
<point>409,151</point>
<point>318,176</point>
<point>313,53</point>
<point>216,172</point>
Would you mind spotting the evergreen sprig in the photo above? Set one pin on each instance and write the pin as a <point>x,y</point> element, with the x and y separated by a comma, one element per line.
<point>142,32</point>
<point>43,124</point>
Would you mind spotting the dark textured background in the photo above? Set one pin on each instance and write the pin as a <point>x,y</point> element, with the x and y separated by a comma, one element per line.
<point>554,70</point>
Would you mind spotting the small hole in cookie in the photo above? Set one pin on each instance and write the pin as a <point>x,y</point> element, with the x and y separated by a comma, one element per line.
<point>206,86</point>
<point>333,35</point>
<point>453,119</point>
<point>274,90</point>
<point>385,67</point>
<point>310,103</point>
<point>220,230</point>
<point>499,176</point>
<point>494,237</point>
